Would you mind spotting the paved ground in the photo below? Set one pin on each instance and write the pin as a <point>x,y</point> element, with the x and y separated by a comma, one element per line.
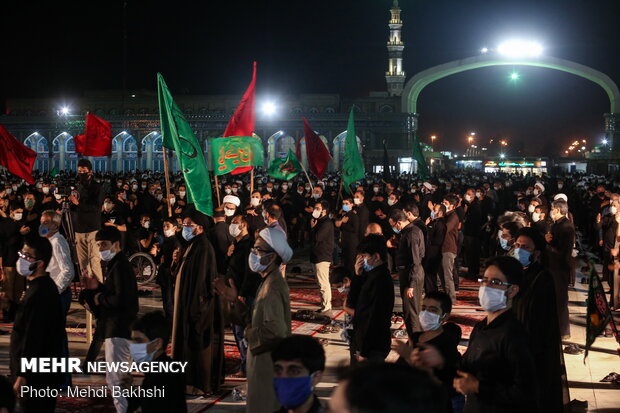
<point>583,378</point>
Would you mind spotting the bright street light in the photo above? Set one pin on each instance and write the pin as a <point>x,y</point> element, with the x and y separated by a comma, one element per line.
<point>269,108</point>
<point>501,155</point>
<point>64,110</point>
<point>520,48</point>
<point>604,141</point>
<point>514,76</point>
<point>433,138</point>
<point>484,50</point>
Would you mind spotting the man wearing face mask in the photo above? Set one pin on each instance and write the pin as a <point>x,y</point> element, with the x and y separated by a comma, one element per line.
<point>537,296</point>
<point>220,238</point>
<point>115,305</point>
<point>449,248</point>
<point>348,222</point>
<point>540,220</point>
<point>198,325</point>
<point>268,322</point>
<point>374,302</point>
<point>497,372</point>
<point>31,213</point>
<point>246,281</point>
<point>231,204</point>
<point>87,215</point>
<point>38,327</point>
<point>299,363</point>
<point>12,231</point>
<point>321,251</point>
<point>149,338</point>
<point>471,232</point>
<point>60,268</point>
<point>409,256</point>
<point>362,212</point>
<point>164,258</point>
<point>559,260</point>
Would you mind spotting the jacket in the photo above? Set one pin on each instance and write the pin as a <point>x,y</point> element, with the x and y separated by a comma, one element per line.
<point>322,241</point>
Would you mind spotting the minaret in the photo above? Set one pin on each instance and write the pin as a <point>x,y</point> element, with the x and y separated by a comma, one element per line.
<point>395,76</point>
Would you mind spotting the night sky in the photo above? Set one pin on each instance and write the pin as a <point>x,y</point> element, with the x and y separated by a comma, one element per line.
<point>63,48</point>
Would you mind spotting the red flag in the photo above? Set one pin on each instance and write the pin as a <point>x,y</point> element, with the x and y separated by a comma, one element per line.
<point>316,152</point>
<point>16,157</point>
<point>97,137</point>
<point>242,121</point>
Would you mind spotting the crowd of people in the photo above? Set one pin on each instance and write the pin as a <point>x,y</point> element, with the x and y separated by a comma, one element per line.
<point>229,271</point>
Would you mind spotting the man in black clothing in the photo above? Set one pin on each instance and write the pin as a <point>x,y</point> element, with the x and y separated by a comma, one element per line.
<point>164,259</point>
<point>497,371</point>
<point>375,302</point>
<point>115,304</point>
<point>559,260</point>
<point>12,230</point>
<point>409,256</point>
<point>220,238</point>
<point>87,219</point>
<point>150,335</point>
<point>471,232</point>
<point>322,250</point>
<point>362,213</point>
<point>246,281</point>
<point>38,329</point>
<point>432,258</point>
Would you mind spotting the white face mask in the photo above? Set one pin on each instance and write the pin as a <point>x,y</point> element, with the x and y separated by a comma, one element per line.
<point>535,216</point>
<point>478,194</point>
<point>316,214</point>
<point>357,201</point>
<point>492,299</point>
<point>229,212</point>
<point>613,210</point>
<point>284,187</point>
<point>228,190</point>
<point>255,202</point>
<point>57,196</point>
<point>146,224</point>
<point>106,255</point>
<point>375,189</point>
<point>46,190</point>
<point>467,197</point>
<point>391,201</point>
<point>23,267</point>
<point>181,194</point>
<point>536,191</point>
<point>18,216</point>
<point>560,186</point>
<point>429,321</point>
<point>234,230</point>
<point>169,232</point>
<point>531,208</point>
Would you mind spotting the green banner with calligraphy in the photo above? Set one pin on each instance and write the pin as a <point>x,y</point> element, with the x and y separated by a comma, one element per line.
<point>234,152</point>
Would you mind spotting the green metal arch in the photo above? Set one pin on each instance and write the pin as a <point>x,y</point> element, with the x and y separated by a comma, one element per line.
<point>417,83</point>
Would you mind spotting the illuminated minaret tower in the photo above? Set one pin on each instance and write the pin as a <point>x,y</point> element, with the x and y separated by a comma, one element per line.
<point>395,76</point>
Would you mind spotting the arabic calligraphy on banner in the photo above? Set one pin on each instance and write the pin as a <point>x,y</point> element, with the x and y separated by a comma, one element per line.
<point>236,151</point>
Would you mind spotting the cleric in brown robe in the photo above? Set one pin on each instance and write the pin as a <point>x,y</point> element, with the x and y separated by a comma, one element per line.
<point>198,328</point>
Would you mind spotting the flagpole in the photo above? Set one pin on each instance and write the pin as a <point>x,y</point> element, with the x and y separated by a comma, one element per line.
<point>306,172</point>
<point>217,189</point>
<point>251,181</point>
<point>167,178</point>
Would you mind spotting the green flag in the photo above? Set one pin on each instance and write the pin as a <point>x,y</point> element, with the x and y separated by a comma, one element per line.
<point>178,135</point>
<point>352,165</point>
<point>285,168</point>
<point>234,152</point>
<point>54,172</point>
<point>419,157</point>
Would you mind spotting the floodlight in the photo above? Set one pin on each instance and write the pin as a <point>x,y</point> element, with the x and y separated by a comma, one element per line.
<point>519,48</point>
<point>269,108</point>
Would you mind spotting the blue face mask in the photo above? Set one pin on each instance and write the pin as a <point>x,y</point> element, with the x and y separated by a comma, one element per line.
<point>396,230</point>
<point>44,230</point>
<point>346,208</point>
<point>368,267</point>
<point>433,215</point>
<point>254,263</point>
<point>504,244</point>
<point>522,255</point>
<point>188,233</point>
<point>292,392</point>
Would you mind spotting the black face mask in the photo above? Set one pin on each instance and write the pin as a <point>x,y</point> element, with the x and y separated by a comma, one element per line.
<point>601,194</point>
<point>83,177</point>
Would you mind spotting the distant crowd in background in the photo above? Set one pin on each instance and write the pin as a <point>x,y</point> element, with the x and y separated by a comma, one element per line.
<point>518,236</point>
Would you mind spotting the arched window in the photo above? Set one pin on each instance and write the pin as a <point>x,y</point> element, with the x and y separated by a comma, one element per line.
<point>130,153</point>
<point>386,109</point>
<point>69,145</point>
<point>297,109</point>
<point>313,110</point>
<point>338,152</point>
<point>329,109</point>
